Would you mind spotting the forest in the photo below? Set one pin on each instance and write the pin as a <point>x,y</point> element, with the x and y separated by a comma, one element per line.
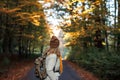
<point>91,32</point>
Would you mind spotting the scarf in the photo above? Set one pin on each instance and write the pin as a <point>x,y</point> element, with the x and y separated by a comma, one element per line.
<point>61,65</point>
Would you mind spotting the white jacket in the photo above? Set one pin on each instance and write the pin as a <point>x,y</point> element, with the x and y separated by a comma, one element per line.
<point>52,63</point>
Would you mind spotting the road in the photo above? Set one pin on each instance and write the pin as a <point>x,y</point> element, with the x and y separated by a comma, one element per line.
<point>68,74</point>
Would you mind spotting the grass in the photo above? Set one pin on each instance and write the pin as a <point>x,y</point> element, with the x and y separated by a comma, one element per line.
<point>105,65</point>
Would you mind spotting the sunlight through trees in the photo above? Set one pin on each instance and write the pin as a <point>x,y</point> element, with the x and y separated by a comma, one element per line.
<point>88,28</point>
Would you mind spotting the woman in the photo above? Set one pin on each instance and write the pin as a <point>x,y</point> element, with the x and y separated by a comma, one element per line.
<point>53,60</point>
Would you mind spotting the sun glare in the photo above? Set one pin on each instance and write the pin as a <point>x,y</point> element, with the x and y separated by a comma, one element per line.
<point>56,31</point>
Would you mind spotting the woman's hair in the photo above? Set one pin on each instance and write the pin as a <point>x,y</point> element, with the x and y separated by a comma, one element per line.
<point>54,46</point>
<point>54,51</point>
<point>54,42</point>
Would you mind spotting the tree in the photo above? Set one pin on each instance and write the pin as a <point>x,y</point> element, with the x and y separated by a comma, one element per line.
<point>118,38</point>
<point>22,22</point>
<point>85,19</point>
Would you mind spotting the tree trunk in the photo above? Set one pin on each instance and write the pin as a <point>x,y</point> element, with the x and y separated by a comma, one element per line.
<point>20,43</point>
<point>5,44</point>
<point>41,49</point>
<point>115,26</point>
<point>118,43</point>
<point>29,47</point>
<point>20,46</point>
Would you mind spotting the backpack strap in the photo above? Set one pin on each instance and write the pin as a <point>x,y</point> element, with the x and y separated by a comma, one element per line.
<point>45,53</point>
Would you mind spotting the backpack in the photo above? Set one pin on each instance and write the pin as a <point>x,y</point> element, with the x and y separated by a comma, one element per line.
<point>40,70</point>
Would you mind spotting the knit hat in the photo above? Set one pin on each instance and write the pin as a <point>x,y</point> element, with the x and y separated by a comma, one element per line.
<point>54,42</point>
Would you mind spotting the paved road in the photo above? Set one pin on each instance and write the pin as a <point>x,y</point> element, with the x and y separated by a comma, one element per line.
<point>68,74</point>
